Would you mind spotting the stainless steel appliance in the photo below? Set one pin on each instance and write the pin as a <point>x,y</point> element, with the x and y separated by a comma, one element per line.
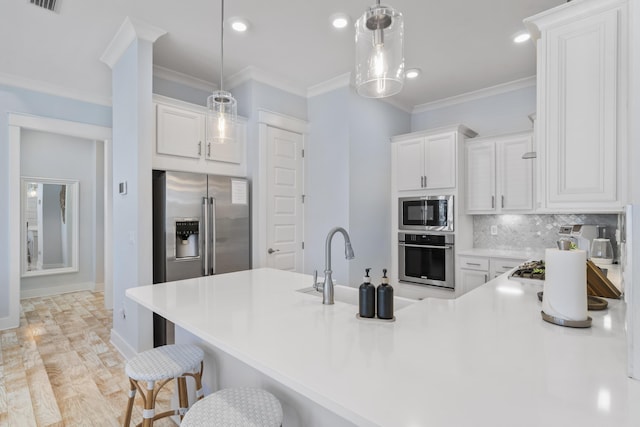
<point>427,259</point>
<point>201,226</point>
<point>428,213</point>
<point>581,234</point>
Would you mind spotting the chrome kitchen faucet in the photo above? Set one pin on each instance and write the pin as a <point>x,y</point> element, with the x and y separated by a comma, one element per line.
<point>327,287</point>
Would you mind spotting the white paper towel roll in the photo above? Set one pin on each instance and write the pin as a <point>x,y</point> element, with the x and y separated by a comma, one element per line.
<point>565,286</point>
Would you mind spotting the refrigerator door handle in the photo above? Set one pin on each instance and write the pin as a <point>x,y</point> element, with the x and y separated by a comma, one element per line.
<point>205,234</point>
<point>213,235</point>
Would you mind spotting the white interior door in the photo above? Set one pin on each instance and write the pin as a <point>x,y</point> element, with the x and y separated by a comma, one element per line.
<point>284,199</point>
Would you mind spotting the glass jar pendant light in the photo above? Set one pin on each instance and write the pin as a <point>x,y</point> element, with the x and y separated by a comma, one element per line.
<point>379,52</point>
<point>222,112</point>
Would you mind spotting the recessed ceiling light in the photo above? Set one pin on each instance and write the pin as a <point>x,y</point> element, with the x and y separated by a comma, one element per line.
<point>239,24</point>
<point>412,73</point>
<point>521,37</point>
<point>339,20</point>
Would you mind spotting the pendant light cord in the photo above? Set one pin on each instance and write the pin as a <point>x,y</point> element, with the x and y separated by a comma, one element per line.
<point>222,43</point>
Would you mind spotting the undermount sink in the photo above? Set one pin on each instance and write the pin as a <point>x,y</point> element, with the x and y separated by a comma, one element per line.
<point>349,295</point>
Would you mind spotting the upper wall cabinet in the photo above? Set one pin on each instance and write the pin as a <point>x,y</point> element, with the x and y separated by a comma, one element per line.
<point>180,132</point>
<point>181,142</point>
<point>582,96</point>
<point>499,180</point>
<point>428,160</point>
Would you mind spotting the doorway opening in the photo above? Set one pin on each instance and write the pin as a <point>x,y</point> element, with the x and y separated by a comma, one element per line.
<point>21,128</point>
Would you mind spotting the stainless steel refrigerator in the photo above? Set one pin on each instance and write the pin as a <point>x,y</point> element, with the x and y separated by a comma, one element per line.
<point>201,227</point>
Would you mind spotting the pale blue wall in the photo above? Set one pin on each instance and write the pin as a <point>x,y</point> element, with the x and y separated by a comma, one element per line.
<point>179,91</point>
<point>16,100</point>
<point>348,180</point>
<point>327,180</point>
<point>492,115</point>
<point>372,124</point>
<point>132,231</point>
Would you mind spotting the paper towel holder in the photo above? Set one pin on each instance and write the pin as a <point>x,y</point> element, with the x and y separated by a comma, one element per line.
<point>564,322</point>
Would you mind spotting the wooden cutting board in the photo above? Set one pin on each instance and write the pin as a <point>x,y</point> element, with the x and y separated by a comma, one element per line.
<point>598,284</point>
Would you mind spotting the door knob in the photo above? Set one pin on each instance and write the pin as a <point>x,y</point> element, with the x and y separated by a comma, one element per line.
<point>270,251</point>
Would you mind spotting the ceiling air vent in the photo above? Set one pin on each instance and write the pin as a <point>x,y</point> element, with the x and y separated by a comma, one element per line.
<point>47,4</point>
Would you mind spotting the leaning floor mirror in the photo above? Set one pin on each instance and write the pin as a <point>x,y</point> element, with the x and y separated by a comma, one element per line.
<point>49,217</point>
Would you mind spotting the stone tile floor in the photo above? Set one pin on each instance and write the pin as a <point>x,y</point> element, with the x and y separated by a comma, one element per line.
<point>58,367</point>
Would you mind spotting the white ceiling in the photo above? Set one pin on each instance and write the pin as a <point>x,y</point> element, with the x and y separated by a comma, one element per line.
<point>461,46</point>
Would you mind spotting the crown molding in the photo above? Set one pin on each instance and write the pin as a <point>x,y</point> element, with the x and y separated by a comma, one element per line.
<point>476,94</point>
<point>53,89</point>
<point>255,74</point>
<point>184,79</point>
<point>343,80</point>
<point>131,29</point>
<point>567,11</point>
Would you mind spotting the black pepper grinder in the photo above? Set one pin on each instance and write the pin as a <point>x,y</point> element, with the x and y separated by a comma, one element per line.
<point>367,300</point>
<point>385,298</point>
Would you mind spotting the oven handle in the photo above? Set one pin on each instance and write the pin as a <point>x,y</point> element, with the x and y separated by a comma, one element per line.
<point>424,246</point>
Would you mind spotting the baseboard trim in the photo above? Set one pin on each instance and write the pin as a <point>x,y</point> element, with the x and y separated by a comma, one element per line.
<point>8,323</point>
<point>57,290</point>
<point>98,287</point>
<point>122,346</point>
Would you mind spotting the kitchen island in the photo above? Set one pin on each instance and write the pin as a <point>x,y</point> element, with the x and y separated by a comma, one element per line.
<point>484,359</point>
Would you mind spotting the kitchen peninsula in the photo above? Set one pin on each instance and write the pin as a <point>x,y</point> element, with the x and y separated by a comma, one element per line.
<point>486,358</point>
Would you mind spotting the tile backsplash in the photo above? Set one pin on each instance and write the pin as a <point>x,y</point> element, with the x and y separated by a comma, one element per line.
<point>534,232</point>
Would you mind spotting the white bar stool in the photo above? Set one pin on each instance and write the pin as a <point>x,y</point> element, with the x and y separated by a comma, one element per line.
<point>157,367</point>
<point>235,407</point>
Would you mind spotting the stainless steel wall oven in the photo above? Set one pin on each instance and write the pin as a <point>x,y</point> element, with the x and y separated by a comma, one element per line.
<point>427,259</point>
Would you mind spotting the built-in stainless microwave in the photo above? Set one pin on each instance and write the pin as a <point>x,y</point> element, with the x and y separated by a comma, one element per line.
<point>428,213</point>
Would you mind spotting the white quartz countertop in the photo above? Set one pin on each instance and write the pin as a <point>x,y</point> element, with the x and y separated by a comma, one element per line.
<point>484,359</point>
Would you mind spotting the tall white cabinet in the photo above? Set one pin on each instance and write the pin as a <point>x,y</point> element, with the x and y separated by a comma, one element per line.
<point>429,163</point>
<point>582,57</point>
<point>499,180</point>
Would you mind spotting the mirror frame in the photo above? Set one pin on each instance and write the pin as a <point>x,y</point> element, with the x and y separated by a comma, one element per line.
<point>73,189</point>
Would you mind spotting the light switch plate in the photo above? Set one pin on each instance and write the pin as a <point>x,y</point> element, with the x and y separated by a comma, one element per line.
<point>494,230</point>
<point>122,188</point>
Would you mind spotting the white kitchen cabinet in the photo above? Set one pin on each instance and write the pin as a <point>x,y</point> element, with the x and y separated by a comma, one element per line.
<point>582,96</point>
<point>228,151</point>
<point>411,156</point>
<point>179,131</point>
<point>181,141</point>
<point>481,177</point>
<point>428,160</point>
<point>474,272</point>
<point>471,279</point>
<point>499,266</point>
<point>499,180</point>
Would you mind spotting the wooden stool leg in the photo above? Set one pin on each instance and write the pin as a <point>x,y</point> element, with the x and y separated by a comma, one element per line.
<point>183,396</point>
<point>198,378</point>
<point>149,405</point>
<point>132,396</point>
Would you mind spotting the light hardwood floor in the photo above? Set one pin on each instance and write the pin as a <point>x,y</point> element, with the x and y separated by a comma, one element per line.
<point>59,368</point>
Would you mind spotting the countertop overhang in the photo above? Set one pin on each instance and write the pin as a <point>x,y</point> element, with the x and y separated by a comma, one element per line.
<point>486,358</point>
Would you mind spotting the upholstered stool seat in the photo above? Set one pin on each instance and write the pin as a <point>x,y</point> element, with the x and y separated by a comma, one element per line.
<point>235,407</point>
<point>157,367</point>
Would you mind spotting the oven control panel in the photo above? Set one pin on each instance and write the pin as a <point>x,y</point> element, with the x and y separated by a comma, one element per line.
<point>426,239</point>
